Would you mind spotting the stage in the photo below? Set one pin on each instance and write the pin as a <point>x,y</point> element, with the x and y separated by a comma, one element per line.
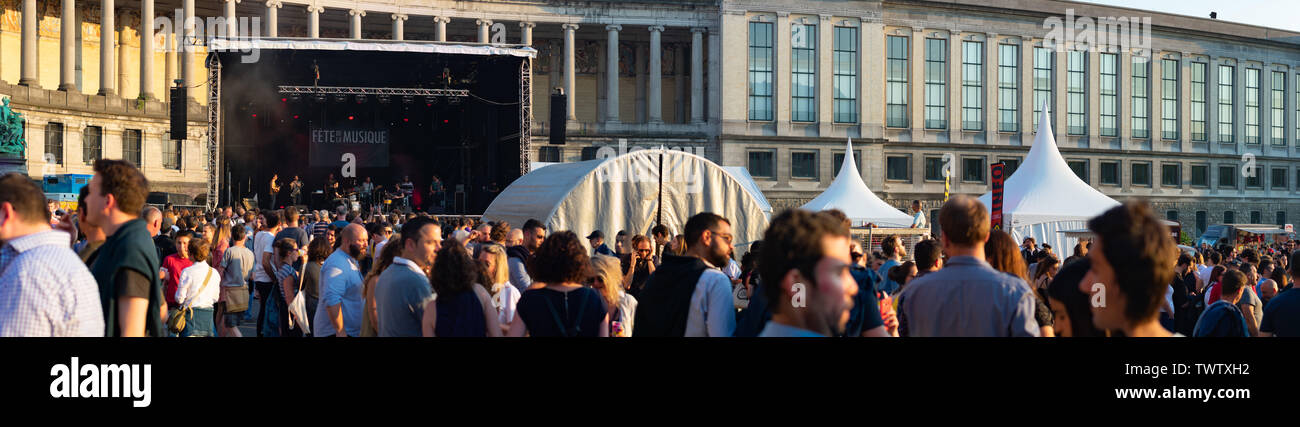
<point>356,109</point>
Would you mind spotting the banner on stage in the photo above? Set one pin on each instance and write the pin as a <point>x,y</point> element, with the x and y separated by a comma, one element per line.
<point>329,145</point>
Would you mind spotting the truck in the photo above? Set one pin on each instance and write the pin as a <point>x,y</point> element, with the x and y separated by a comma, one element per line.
<point>1236,235</point>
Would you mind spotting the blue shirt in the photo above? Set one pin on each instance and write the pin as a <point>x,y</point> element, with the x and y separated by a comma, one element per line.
<point>968,298</point>
<point>1221,319</point>
<point>885,285</point>
<point>340,284</point>
<point>45,289</point>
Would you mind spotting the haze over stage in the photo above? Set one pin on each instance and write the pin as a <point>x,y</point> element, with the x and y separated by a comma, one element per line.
<point>472,140</point>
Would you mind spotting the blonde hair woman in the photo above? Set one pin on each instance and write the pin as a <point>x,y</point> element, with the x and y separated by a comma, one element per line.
<point>608,280</point>
<point>370,316</point>
<point>505,296</point>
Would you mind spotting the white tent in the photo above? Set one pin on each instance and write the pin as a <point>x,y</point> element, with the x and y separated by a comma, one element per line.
<point>1044,196</point>
<point>850,195</point>
<point>623,193</point>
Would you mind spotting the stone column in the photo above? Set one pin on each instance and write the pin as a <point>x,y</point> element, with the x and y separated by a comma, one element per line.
<point>1027,106</point>
<point>30,70</point>
<point>642,52</point>
<point>714,88</point>
<point>992,76</point>
<point>146,50</point>
<point>68,46</point>
<point>956,99</point>
<point>484,26</point>
<point>916,76</point>
<point>169,58</point>
<point>656,75</point>
<point>185,47</point>
<point>232,22</point>
<point>399,24</point>
<point>781,73</point>
<point>872,51</point>
<point>273,17</point>
<point>612,73</point>
<point>825,68</point>
<point>313,21</point>
<point>697,75</point>
<point>526,33</point>
<point>440,28</point>
<point>569,76</point>
<point>106,45</point>
<point>354,26</point>
<point>679,84</point>
<point>119,65</point>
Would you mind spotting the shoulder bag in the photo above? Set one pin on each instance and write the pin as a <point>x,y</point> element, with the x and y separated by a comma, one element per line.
<point>176,322</point>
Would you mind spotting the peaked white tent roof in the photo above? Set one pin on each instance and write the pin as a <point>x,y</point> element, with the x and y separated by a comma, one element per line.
<point>622,193</point>
<point>850,195</point>
<point>1044,188</point>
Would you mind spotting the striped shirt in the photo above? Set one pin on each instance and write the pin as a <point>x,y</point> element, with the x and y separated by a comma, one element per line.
<point>46,291</point>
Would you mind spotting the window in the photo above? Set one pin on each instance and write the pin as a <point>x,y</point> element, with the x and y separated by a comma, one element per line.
<point>1279,180</point>
<point>1280,218</point>
<point>1009,88</point>
<point>1225,102</point>
<point>1077,77</point>
<point>1202,221</point>
<point>131,142</point>
<point>972,169</point>
<point>1252,106</point>
<point>54,142</point>
<point>803,164</point>
<point>898,168</point>
<point>762,163</point>
<point>1080,168</point>
<point>936,84</point>
<point>1171,175</point>
<point>590,153</point>
<point>549,154</point>
<point>839,160</point>
<point>1229,217</point>
<point>1141,97</point>
<point>1256,217</point>
<point>1227,177</point>
<point>1198,101</point>
<point>1277,103</point>
<point>1011,165</point>
<point>972,86</point>
<point>1042,83</point>
<point>1110,173</point>
<point>1141,174</point>
<point>896,83</point>
<point>760,71</point>
<point>1296,105</point>
<point>1171,216</point>
<point>1256,178</point>
<point>171,154</point>
<point>1200,176</point>
<point>803,73</point>
<point>1109,94</point>
<point>92,144</point>
<point>846,75</point>
<point>1169,99</point>
<point>934,169</point>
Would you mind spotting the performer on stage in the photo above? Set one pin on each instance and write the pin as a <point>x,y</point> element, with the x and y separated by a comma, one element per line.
<point>275,189</point>
<point>437,195</point>
<point>330,185</point>
<point>408,190</point>
<point>367,193</point>
<point>295,190</point>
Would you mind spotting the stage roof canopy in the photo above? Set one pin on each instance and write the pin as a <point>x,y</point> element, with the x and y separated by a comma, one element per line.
<point>235,46</point>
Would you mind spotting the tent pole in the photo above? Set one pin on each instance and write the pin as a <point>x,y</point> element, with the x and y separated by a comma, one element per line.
<point>659,217</point>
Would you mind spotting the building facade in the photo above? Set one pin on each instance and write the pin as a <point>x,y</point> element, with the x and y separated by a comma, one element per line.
<point>1200,117</point>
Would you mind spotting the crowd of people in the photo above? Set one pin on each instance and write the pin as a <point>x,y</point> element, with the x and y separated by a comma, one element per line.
<point>117,267</point>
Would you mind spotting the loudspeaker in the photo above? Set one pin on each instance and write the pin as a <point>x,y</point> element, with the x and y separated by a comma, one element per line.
<point>559,106</point>
<point>178,109</point>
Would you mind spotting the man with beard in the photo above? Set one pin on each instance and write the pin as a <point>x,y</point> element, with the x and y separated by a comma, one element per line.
<point>338,313</point>
<point>807,276</point>
<point>403,290</point>
<point>689,295</point>
<point>534,233</point>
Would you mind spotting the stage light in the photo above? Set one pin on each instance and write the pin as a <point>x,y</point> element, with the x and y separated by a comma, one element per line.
<point>320,97</point>
<point>405,120</point>
<point>445,121</point>
<point>295,117</point>
<point>455,100</point>
<point>383,99</point>
<point>340,98</point>
<point>295,98</point>
<point>361,99</point>
<point>431,100</point>
<point>349,117</point>
<point>284,99</point>
<point>254,114</point>
<point>408,99</point>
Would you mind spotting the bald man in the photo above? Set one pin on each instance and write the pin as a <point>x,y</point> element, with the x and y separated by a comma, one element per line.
<point>153,221</point>
<point>338,314</point>
<point>515,238</point>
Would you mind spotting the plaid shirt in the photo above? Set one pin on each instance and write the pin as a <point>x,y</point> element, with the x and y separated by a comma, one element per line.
<point>46,291</point>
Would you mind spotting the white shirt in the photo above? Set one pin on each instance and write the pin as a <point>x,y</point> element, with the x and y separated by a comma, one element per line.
<point>397,260</point>
<point>505,297</point>
<point>192,280</point>
<point>1203,274</point>
<point>712,312</point>
<point>732,270</point>
<point>379,248</point>
<point>261,243</point>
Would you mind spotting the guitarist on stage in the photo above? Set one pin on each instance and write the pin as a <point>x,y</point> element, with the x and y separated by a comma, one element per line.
<point>295,190</point>
<point>275,189</point>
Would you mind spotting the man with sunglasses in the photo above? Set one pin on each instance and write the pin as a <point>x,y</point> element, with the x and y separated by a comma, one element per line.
<point>689,295</point>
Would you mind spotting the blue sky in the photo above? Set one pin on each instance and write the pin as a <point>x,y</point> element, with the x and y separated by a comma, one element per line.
<point>1282,14</point>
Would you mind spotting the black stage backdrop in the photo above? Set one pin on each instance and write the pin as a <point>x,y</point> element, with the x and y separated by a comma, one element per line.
<point>471,142</point>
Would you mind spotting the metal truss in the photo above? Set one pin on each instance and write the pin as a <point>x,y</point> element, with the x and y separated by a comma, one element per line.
<point>525,113</point>
<point>214,136</point>
<point>393,91</point>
